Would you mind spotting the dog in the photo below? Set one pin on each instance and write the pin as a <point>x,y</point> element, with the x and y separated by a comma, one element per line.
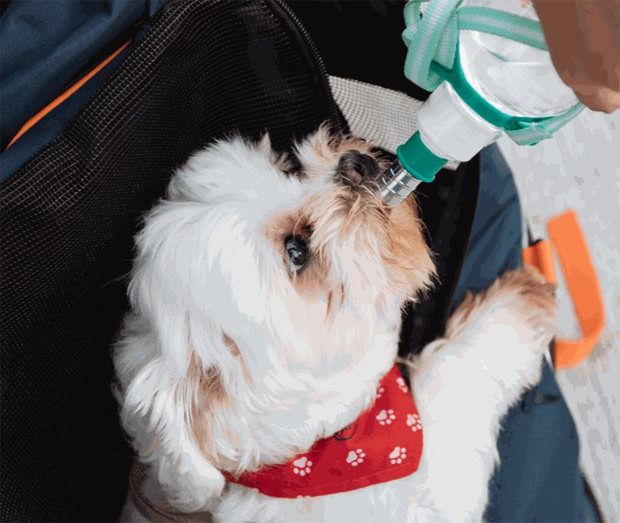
<point>266,308</point>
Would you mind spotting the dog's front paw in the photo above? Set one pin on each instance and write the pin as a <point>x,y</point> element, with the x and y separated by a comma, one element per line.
<point>514,319</point>
<point>519,300</point>
<point>537,303</point>
<point>466,381</point>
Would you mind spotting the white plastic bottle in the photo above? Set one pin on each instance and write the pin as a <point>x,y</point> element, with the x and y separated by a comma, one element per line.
<point>515,78</point>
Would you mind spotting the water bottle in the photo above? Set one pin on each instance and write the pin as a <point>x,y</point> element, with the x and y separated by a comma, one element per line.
<point>494,80</point>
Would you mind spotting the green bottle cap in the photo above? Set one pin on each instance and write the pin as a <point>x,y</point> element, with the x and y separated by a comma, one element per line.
<point>419,160</point>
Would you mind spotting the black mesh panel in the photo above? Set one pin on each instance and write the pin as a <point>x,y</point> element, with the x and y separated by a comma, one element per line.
<point>204,69</point>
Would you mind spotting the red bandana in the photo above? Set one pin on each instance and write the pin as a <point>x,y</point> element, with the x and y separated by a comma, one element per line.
<point>383,444</point>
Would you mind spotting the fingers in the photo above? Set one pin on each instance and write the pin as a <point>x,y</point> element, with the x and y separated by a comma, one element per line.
<point>584,42</point>
<point>598,98</point>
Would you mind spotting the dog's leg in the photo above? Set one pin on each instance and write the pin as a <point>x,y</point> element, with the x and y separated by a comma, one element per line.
<point>465,383</point>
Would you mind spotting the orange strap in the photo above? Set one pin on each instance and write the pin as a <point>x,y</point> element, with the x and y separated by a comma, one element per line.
<point>580,276</point>
<point>64,96</point>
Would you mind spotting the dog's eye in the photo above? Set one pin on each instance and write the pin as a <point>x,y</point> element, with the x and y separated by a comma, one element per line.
<point>297,250</point>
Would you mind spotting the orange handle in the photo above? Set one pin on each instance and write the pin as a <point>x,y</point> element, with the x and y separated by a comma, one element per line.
<point>581,280</point>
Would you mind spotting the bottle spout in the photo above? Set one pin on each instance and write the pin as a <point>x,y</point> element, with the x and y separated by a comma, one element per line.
<point>415,163</point>
<point>395,184</point>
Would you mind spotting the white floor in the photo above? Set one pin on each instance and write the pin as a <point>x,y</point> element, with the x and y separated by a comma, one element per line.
<point>580,169</point>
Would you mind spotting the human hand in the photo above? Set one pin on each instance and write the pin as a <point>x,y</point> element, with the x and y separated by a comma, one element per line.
<point>583,37</point>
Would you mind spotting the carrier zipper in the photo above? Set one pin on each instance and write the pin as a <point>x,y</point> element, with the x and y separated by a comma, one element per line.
<point>318,61</point>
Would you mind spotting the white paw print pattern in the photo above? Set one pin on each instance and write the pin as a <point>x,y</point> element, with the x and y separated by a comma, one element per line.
<point>398,455</point>
<point>355,457</point>
<point>386,417</point>
<point>302,466</point>
<point>402,385</point>
<point>380,391</point>
<point>413,421</point>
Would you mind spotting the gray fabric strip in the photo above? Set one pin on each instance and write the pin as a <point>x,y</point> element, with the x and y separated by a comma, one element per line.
<point>386,117</point>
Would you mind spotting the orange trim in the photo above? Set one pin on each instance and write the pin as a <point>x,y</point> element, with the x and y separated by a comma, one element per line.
<point>581,280</point>
<point>65,95</point>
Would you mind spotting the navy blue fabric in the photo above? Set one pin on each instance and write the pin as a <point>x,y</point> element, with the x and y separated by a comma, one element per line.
<point>46,46</point>
<point>50,126</point>
<point>539,477</point>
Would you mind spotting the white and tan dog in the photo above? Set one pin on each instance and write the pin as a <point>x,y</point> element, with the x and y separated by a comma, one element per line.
<point>267,308</point>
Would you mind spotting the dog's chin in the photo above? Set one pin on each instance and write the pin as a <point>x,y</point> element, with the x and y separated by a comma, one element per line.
<point>266,307</point>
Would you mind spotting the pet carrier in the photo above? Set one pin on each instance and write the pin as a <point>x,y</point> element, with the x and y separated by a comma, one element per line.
<point>100,103</point>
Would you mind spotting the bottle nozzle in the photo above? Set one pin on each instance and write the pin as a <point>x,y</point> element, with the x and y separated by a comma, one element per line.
<point>414,163</point>
<point>396,184</point>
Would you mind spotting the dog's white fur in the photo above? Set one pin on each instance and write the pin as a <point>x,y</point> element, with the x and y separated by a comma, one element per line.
<point>232,361</point>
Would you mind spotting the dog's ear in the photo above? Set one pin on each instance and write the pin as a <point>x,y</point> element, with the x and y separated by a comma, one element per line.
<point>168,284</point>
<point>160,401</point>
<point>158,412</point>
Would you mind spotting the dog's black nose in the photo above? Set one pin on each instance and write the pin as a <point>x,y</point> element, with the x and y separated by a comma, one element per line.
<point>354,167</point>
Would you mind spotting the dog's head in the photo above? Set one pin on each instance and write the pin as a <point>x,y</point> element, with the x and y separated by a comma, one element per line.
<point>257,287</point>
